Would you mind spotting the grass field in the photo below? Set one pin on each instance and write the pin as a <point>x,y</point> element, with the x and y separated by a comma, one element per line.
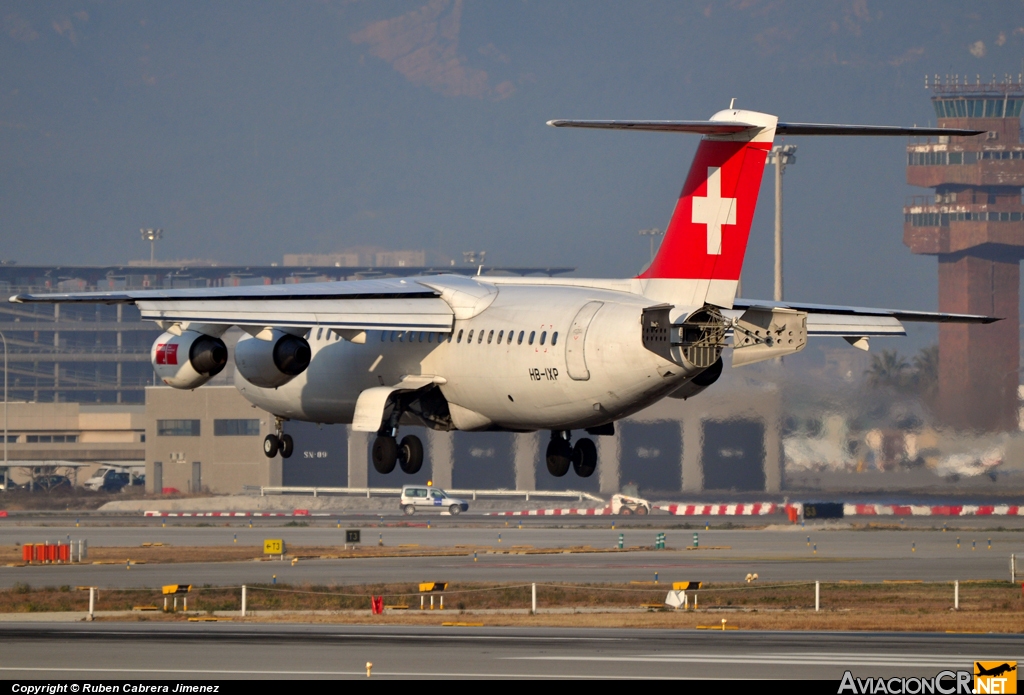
<point>984,606</point>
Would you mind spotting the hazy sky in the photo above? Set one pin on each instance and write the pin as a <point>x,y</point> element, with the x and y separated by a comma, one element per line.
<point>249,130</point>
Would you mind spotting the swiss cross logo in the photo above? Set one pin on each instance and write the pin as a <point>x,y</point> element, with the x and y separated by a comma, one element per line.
<point>713,210</point>
<point>167,353</point>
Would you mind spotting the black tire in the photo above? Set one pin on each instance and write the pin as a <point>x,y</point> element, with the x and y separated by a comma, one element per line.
<point>584,458</point>
<point>559,457</point>
<point>410,454</point>
<point>455,510</point>
<point>641,510</point>
<point>271,444</point>
<point>625,511</point>
<point>385,454</point>
<point>287,446</point>
<point>409,510</point>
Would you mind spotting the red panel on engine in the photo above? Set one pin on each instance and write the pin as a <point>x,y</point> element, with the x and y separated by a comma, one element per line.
<point>167,353</point>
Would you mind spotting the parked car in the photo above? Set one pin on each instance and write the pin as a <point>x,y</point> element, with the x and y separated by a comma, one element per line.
<point>421,497</point>
<point>48,483</point>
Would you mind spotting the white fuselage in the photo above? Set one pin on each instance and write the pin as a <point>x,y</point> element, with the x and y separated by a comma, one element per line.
<point>489,380</point>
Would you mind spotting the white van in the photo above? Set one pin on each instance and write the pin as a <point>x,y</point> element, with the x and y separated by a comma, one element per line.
<point>419,497</point>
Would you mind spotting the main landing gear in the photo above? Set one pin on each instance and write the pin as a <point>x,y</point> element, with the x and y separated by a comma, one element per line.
<point>582,456</point>
<point>387,451</point>
<point>281,443</point>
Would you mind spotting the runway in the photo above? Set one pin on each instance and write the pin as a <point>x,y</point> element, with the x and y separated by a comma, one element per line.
<point>260,651</point>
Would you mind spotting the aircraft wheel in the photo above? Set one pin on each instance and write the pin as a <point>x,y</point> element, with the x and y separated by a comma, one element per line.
<point>558,457</point>
<point>270,445</point>
<point>287,446</point>
<point>455,510</point>
<point>584,458</point>
<point>410,454</point>
<point>409,510</point>
<point>385,454</point>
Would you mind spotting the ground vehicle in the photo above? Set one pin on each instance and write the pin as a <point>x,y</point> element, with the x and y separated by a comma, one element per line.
<point>626,505</point>
<point>109,479</point>
<point>517,354</point>
<point>421,497</point>
<point>48,483</point>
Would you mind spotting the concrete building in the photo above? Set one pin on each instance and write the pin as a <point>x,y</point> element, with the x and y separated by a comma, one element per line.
<point>209,439</point>
<point>73,438</point>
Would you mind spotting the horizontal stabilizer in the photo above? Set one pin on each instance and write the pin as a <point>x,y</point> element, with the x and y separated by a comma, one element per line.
<point>730,127</point>
<point>857,311</point>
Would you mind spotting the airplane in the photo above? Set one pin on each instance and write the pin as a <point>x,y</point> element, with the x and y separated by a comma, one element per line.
<point>485,353</point>
<point>994,671</point>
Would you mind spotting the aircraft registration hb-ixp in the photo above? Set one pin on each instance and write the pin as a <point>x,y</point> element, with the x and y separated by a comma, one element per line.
<point>516,354</point>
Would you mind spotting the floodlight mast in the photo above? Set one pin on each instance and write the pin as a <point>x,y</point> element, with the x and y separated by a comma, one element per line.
<point>780,156</point>
<point>151,235</point>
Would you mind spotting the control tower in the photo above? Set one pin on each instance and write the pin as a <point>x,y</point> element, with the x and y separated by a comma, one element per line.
<point>974,223</point>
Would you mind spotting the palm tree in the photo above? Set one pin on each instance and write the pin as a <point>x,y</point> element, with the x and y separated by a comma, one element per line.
<point>888,369</point>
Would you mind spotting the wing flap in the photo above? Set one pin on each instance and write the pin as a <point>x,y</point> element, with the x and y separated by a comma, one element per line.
<point>420,314</point>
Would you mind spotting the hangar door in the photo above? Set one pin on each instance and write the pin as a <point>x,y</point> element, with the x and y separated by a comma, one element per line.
<point>651,456</point>
<point>484,460</point>
<point>733,455</point>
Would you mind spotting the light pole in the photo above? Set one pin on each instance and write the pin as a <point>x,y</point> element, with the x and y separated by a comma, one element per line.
<point>151,235</point>
<point>780,156</point>
<point>650,233</point>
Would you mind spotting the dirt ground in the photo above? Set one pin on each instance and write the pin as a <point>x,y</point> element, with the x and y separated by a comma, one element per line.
<point>984,606</point>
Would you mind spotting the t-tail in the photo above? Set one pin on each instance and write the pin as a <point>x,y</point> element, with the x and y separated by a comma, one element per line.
<point>701,256</point>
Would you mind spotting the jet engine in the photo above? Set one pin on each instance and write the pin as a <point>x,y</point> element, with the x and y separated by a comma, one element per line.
<point>700,382</point>
<point>189,360</point>
<point>273,362</point>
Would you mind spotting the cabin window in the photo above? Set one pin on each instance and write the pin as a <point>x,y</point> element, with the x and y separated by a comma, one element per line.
<point>319,333</point>
<point>394,334</point>
<point>480,339</point>
<point>500,335</point>
<point>469,338</point>
<point>520,341</point>
<point>383,334</point>
<point>532,334</point>
<point>459,339</point>
<point>554,338</point>
<point>543,337</point>
<point>401,336</point>
<point>430,337</point>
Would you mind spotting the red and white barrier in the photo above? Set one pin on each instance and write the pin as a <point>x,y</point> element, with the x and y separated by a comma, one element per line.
<point>932,510</point>
<point>297,512</point>
<point>556,512</point>
<point>755,509</point>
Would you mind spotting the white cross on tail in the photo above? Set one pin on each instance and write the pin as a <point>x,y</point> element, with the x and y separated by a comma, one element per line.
<point>714,211</point>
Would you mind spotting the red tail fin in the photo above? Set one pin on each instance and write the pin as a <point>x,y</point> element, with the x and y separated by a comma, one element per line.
<point>706,238</point>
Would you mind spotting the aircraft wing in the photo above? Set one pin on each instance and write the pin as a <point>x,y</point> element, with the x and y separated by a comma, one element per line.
<point>858,322</point>
<point>386,304</point>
